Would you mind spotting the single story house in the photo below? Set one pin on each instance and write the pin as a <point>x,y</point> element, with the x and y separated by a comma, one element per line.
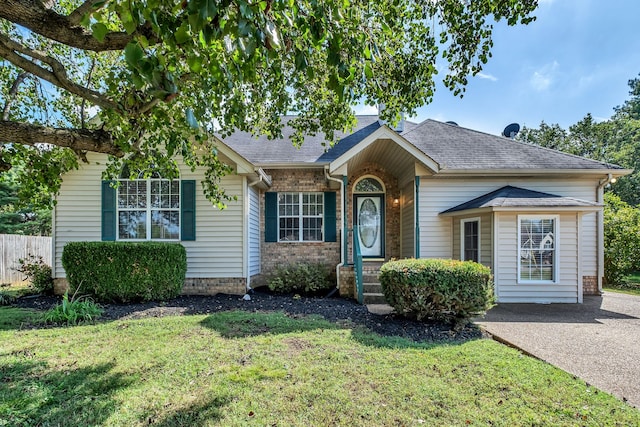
<point>431,190</point>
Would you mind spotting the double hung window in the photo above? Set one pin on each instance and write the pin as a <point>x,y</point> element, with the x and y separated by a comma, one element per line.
<point>148,209</point>
<point>537,249</point>
<point>300,217</point>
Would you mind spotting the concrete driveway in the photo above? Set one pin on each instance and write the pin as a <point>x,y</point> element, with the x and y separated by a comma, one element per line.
<point>598,341</point>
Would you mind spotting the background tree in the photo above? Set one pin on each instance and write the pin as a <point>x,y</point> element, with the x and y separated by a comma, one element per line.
<point>617,141</point>
<point>161,75</point>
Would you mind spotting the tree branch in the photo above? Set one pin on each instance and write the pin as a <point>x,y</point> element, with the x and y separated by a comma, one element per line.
<point>11,51</point>
<point>76,16</point>
<point>98,141</point>
<point>33,15</point>
<point>11,96</point>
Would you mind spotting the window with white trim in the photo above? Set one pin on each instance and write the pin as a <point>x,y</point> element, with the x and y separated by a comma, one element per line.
<point>148,209</point>
<point>537,249</point>
<point>300,217</point>
<point>470,239</point>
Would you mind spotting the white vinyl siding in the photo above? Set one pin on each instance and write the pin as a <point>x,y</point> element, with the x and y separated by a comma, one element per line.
<point>565,287</point>
<point>437,195</point>
<point>407,224</point>
<point>254,232</point>
<point>217,251</point>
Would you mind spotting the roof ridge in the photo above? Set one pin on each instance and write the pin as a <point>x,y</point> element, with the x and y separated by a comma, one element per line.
<point>553,150</point>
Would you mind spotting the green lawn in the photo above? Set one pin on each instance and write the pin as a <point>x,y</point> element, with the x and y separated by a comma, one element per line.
<point>238,369</point>
<point>631,287</point>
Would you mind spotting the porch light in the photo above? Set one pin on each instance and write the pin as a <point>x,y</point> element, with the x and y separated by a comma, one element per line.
<point>396,202</point>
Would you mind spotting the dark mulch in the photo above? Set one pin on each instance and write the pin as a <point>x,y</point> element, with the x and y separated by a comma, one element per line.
<point>339,310</point>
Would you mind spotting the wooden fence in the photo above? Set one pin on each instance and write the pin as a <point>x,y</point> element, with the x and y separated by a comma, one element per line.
<point>14,247</point>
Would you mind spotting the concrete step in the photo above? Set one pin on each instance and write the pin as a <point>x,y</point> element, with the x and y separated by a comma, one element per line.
<point>374,298</point>
<point>372,287</point>
<point>368,277</point>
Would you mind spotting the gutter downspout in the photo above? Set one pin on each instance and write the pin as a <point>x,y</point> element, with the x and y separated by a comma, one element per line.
<point>343,246</point>
<point>600,199</point>
<point>417,210</point>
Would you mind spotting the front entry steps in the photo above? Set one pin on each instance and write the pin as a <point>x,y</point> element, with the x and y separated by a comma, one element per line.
<point>372,289</point>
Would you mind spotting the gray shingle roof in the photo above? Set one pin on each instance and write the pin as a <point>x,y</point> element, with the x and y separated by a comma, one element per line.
<point>515,197</point>
<point>262,151</point>
<point>458,148</point>
<point>454,148</point>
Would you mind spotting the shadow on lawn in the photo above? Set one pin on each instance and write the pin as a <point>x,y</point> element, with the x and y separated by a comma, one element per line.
<point>239,324</point>
<point>34,395</point>
<point>198,414</point>
<point>242,324</point>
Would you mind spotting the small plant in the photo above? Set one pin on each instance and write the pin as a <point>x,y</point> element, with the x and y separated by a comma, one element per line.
<point>38,272</point>
<point>6,298</point>
<point>73,312</point>
<point>304,278</point>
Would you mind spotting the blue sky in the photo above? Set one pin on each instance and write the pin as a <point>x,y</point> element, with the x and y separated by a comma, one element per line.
<point>576,58</point>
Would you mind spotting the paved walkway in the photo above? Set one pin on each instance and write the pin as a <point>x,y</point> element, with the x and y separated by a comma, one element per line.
<point>598,341</point>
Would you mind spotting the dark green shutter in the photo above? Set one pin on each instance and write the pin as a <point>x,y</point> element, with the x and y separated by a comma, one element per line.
<point>108,211</point>
<point>330,216</point>
<point>271,217</point>
<point>188,210</point>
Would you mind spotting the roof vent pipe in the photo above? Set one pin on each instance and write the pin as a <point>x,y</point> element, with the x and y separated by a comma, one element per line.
<point>398,127</point>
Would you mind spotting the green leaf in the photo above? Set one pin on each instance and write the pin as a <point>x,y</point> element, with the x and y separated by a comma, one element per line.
<point>127,20</point>
<point>182,34</point>
<point>195,63</point>
<point>368,72</point>
<point>208,9</point>
<point>133,54</point>
<point>191,118</point>
<point>99,31</point>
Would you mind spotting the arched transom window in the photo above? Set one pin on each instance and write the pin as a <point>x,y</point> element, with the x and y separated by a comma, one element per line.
<point>148,208</point>
<point>368,185</point>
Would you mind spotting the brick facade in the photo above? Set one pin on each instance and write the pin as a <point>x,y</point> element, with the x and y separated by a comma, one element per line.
<point>273,254</point>
<point>192,286</point>
<point>590,285</point>
<point>392,213</point>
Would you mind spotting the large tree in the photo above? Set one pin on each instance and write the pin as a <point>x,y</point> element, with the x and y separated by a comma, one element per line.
<point>144,81</point>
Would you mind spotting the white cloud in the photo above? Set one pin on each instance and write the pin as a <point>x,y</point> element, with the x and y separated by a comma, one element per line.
<point>487,76</point>
<point>366,110</point>
<point>544,77</point>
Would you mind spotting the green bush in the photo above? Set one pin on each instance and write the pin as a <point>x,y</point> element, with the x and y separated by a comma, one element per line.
<point>621,240</point>
<point>38,272</point>
<point>73,312</point>
<point>6,296</point>
<point>124,271</point>
<point>437,289</point>
<point>304,278</point>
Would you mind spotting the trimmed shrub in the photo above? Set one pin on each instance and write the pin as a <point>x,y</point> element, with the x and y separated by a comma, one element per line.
<point>304,278</point>
<point>72,312</point>
<point>38,272</point>
<point>437,289</point>
<point>125,271</point>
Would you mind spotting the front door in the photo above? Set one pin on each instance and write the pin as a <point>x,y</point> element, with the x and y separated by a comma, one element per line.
<point>369,220</point>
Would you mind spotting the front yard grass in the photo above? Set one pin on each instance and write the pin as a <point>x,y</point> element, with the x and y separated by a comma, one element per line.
<point>632,285</point>
<point>267,369</point>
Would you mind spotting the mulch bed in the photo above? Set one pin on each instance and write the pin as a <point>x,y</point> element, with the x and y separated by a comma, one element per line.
<point>334,309</point>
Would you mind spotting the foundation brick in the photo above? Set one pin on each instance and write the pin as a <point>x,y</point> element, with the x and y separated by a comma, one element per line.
<point>590,285</point>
